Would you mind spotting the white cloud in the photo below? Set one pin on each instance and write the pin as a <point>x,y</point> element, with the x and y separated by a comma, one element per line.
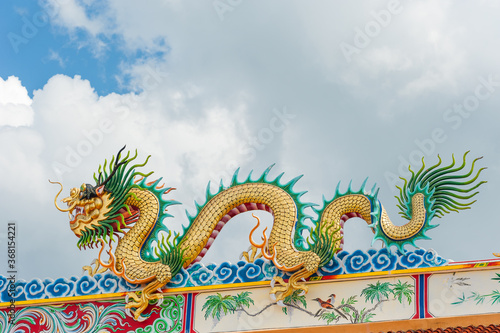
<point>71,107</point>
<point>20,163</point>
<point>55,56</point>
<point>72,15</point>
<point>76,129</point>
<point>15,104</point>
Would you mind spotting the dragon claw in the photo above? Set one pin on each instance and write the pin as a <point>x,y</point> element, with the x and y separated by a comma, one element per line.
<point>160,301</point>
<point>280,303</point>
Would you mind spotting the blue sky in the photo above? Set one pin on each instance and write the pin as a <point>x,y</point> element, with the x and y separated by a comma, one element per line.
<point>34,50</point>
<point>361,89</point>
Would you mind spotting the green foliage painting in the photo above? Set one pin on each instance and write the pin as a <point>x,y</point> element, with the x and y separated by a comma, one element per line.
<point>493,297</point>
<point>330,310</point>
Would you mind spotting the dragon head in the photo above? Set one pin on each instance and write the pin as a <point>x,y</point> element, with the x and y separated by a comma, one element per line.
<point>87,206</point>
<point>98,211</point>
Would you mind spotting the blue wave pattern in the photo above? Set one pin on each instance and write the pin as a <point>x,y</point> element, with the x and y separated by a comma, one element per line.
<point>380,260</point>
<point>200,275</point>
<point>63,287</point>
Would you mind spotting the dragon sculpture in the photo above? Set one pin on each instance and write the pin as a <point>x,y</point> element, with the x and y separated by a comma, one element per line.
<point>126,210</point>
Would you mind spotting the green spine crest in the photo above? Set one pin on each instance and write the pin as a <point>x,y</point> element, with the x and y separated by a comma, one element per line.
<point>263,178</point>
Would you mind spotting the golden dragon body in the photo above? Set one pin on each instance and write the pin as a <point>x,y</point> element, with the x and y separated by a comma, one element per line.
<point>121,201</point>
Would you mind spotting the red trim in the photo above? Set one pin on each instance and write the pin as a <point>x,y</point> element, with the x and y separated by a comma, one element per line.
<point>188,318</point>
<point>417,297</point>
<point>421,296</point>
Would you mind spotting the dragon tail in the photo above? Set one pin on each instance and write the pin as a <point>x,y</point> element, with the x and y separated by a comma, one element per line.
<point>429,193</point>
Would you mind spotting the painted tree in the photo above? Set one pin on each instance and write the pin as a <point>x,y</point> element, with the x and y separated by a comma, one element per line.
<point>381,292</point>
<point>215,305</point>
<point>377,293</point>
<point>293,301</point>
<point>474,296</point>
<point>400,290</point>
<point>243,300</point>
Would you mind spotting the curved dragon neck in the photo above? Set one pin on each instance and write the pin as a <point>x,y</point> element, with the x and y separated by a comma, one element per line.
<point>336,212</point>
<point>411,228</point>
<point>281,204</point>
<point>132,242</point>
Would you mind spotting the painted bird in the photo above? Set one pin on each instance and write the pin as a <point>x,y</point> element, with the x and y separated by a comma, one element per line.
<point>328,304</point>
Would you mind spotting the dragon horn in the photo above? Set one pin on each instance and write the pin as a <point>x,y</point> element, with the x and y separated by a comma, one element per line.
<point>55,200</point>
<point>115,168</point>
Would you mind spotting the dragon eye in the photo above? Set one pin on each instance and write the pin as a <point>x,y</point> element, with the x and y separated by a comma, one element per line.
<point>88,191</point>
